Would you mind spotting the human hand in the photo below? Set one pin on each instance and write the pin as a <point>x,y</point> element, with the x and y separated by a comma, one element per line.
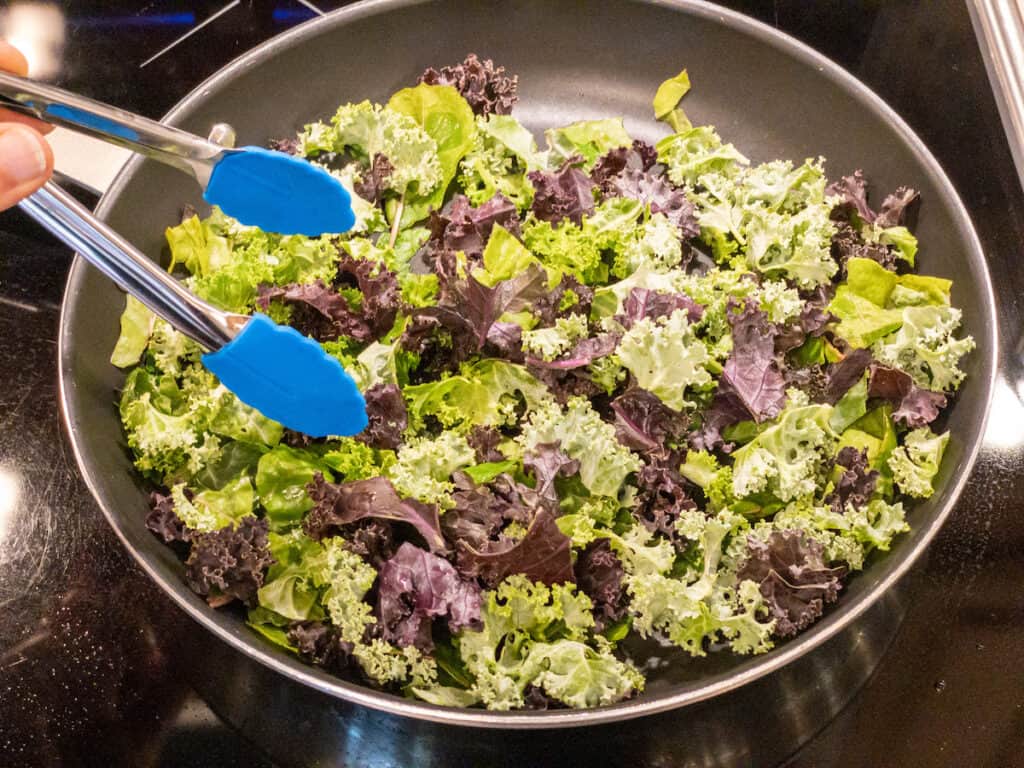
<point>26,160</point>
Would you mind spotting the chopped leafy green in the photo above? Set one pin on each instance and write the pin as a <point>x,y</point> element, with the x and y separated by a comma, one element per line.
<point>612,390</point>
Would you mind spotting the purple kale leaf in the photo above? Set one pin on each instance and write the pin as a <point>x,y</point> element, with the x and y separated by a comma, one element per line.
<point>853,194</point>
<point>228,564</point>
<point>543,554</point>
<point>641,156</point>
<point>812,322</point>
<point>320,644</point>
<point>751,372</point>
<point>627,172</point>
<point>486,88</point>
<point>319,311</point>
<point>795,582</point>
<point>386,415</point>
<point>477,517</point>
<point>323,313</point>
<point>482,511</point>
<point>662,497</point>
<point>371,539</point>
<point>662,196</point>
<point>898,208</point>
<point>643,302</point>
<point>461,227</point>
<point>856,484</point>
<point>288,146</point>
<point>915,406</point>
<point>583,353</point>
<point>725,410</point>
<point>644,423</point>
<point>163,520</point>
<point>567,193</point>
<point>546,462</point>
<point>462,321</point>
<point>599,575</point>
<point>846,373</point>
<point>341,504</point>
<point>485,441</point>
<point>415,587</point>
<point>375,180</point>
<point>847,243</point>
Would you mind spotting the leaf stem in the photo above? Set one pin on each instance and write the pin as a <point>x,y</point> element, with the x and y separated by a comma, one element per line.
<point>399,209</point>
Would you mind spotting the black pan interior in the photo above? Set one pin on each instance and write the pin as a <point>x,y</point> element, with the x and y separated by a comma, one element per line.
<point>575,60</point>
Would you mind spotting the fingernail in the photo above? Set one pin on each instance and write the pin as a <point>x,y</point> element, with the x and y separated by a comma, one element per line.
<point>21,157</point>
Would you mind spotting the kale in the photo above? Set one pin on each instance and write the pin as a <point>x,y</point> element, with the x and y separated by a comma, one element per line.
<point>229,563</point>
<point>387,417</point>
<point>321,644</point>
<point>543,554</point>
<point>164,521</point>
<point>338,505</point>
<point>566,193</point>
<point>416,587</point>
<point>487,89</point>
<point>599,575</point>
<point>796,584</point>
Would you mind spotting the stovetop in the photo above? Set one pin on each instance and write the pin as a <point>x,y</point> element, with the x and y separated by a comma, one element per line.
<point>84,679</point>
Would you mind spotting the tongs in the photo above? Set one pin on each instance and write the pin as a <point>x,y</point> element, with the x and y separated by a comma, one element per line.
<point>275,369</point>
<point>262,188</point>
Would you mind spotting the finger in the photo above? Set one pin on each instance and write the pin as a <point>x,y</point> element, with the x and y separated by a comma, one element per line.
<point>26,162</point>
<point>12,60</point>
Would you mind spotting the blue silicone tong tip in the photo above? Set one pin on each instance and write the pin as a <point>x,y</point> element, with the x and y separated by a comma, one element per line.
<point>279,193</point>
<point>290,379</point>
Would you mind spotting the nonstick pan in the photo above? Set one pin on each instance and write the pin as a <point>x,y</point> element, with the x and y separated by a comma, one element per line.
<point>772,97</point>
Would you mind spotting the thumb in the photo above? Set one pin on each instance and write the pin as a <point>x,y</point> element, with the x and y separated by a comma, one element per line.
<point>26,162</point>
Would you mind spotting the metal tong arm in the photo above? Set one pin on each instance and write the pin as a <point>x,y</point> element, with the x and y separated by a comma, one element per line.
<point>181,149</point>
<point>116,258</point>
<point>999,25</point>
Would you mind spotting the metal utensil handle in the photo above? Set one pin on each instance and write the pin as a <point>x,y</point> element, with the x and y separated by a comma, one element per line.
<point>98,244</point>
<point>999,26</point>
<point>169,145</point>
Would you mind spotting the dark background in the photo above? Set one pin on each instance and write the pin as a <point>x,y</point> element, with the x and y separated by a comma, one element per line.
<point>89,671</point>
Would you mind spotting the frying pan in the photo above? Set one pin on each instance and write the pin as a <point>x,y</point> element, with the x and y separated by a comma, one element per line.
<point>772,97</point>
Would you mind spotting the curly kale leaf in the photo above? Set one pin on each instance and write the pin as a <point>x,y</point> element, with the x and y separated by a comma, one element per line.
<point>339,505</point>
<point>386,416</point>
<point>915,407</point>
<point>567,193</point>
<point>856,484</point>
<point>915,464</point>
<point>229,563</point>
<point>599,575</point>
<point>543,554</point>
<point>578,428</point>
<point>536,635</point>
<point>415,588</point>
<point>644,423</point>
<point>751,372</point>
<point>487,89</point>
<point>666,357</point>
<point>790,571</point>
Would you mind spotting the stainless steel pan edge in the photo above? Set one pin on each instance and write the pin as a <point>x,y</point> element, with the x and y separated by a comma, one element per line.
<point>240,638</point>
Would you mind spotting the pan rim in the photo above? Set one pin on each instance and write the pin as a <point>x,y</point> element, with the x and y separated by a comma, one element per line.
<point>226,628</point>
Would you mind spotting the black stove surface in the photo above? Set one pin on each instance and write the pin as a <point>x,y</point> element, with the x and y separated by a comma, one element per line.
<point>85,674</point>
